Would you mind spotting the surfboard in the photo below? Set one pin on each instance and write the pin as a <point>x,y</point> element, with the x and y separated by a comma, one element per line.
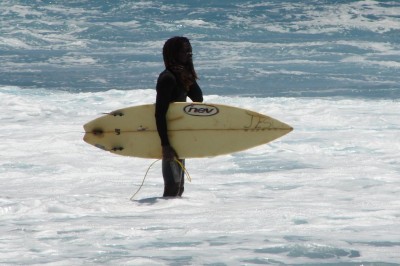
<point>195,130</point>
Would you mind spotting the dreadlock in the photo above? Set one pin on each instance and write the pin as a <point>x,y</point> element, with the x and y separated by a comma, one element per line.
<point>186,74</point>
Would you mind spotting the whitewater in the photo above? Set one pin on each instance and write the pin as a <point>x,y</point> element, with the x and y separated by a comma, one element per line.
<point>325,194</point>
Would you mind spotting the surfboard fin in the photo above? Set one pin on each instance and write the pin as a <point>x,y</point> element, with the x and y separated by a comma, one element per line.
<point>98,132</point>
<point>114,113</point>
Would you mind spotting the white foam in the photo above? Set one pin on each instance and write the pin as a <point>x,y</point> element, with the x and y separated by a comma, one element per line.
<point>13,42</point>
<point>335,18</point>
<point>73,60</point>
<point>327,192</point>
<point>365,61</point>
<point>196,23</point>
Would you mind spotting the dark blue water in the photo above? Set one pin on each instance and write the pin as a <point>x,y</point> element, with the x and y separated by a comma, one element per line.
<point>260,48</point>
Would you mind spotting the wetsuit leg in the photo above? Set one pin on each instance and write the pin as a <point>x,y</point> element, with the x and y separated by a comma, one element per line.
<point>182,181</point>
<point>173,175</point>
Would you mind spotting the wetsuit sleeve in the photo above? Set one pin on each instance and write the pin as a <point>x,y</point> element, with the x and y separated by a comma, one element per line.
<point>165,85</point>
<point>195,93</point>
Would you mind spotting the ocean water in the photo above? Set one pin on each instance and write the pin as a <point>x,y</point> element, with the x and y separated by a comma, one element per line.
<point>326,194</point>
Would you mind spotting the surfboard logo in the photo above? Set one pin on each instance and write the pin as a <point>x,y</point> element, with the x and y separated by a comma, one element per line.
<point>200,110</point>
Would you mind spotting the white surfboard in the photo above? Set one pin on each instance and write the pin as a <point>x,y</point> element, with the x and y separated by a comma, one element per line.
<point>195,130</point>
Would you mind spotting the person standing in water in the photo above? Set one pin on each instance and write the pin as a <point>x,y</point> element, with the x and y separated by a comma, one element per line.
<point>174,84</point>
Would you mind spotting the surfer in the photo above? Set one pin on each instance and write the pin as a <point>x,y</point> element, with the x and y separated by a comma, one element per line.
<point>174,84</point>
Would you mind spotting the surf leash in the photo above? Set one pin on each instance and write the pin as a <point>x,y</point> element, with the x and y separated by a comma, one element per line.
<point>184,169</point>
<point>151,165</point>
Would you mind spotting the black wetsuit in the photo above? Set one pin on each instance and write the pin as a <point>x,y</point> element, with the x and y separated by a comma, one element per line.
<point>169,90</point>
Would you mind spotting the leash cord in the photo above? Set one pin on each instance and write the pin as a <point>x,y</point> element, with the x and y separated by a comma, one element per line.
<point>151,165</point>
